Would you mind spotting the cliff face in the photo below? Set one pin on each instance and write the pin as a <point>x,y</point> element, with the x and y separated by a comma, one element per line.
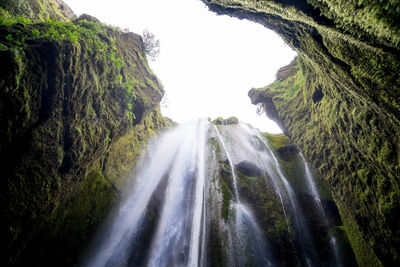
<point>293,167</point>
<point>39,9</point>
<point>77,103</point>
<point>339,102</point>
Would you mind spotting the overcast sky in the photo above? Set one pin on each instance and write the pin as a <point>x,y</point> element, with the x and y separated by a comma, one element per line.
<point>207,63</point>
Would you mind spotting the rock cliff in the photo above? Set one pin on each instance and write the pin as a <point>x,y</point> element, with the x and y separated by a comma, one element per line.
<point>78,102</point>
<point>339,101</point>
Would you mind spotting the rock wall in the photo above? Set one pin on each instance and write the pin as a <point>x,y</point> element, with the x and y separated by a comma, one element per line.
<point>39,9</point>
<point>78,102</point>
<point>339,102</point>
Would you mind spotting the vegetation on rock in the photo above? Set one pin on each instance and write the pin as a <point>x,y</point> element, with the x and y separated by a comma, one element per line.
<point>151,45</point>
<point>258,192</point>
<point>339,103</point>
<point>228,121</point>
<point>38,9</point>
<point>78,102</point>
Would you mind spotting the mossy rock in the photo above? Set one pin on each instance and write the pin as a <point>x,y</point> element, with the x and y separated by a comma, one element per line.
<point>248,168</point>
<point>338,102</point>
<point>75,97</point>
<point>38,9</point>
<point>228,121</point>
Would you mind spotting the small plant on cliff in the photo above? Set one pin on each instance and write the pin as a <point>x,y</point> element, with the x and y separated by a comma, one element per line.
<point>151,45</point>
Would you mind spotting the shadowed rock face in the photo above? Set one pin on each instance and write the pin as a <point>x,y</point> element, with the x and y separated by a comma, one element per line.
<point>248,168</point>
<point>287,71</point>
<point>288,152</point>
<point>339,102</point>
<point>77,103</point>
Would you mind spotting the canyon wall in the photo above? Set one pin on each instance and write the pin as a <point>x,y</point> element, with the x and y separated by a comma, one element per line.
<point>78,103</point>
<point>339,101</point>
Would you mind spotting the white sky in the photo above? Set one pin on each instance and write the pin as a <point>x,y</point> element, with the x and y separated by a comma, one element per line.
<point>207,63</point>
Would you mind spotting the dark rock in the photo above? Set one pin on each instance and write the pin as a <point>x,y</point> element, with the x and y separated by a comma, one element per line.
<point>228,121</point>
<point>287,71</point>
<point>317,95</point>
<point>248,168</point>
<point>288,153</point>
<point>261,97</point>
<point>87,18</point>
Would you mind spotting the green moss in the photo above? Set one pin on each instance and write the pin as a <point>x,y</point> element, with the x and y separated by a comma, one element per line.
<point>326,121</point>
<point>260,197</point>
<point>337,108</point>
<point>74,222</point>
<point>65,112</point>
<point>277,141</point>
<point>218,121</point>
<point>228,121</point>
<point>120,157</point>
<point>37,9</point>
<point>227,196</point>
<point>358,243</point>
<point>364,18</point>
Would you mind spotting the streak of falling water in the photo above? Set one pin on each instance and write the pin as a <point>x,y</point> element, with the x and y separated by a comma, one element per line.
<point>248,234</point>
<point>254,235</point>
<point>172,182</point>
<point>263,160</point>
<point>199,200</point>
<point>174,235</point>
<point>230,164</point>
<point>314,192</point>
<point>308,249</point>
<point>114,243</point>
<point>312,187</point>
<point>168,154</point>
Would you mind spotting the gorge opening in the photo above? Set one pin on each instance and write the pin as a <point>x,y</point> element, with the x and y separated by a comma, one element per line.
<point>207,63</point>
<point>88,145</point>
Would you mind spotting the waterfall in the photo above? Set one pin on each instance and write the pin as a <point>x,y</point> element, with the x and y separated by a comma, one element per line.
<point>307,246</point>
<point>312,187</point>
<point>302,229</point>
<point>115,242</point>
<point>179,212</point>
<point>246,228</point>
<point>314,192</point>
<point>199,201</point>
<point>230,163</point>
<point>171,157</point>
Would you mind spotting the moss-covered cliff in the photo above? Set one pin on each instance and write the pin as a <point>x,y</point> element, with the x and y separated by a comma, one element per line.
<point>77,103</point>
<point>340,103</point>
<point>294,169</point>
<point>39,9</point>
<point>267,175</point>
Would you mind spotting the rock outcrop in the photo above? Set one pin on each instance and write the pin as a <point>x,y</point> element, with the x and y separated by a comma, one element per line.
<point>339,101</point>
<point>78,102</point>
<point>228,121</point>
<point>39,10</point>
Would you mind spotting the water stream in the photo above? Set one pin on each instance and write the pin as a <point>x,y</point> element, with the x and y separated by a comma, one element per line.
<point>314,192</point>
<point>179,212</point>
<point>248,235</point>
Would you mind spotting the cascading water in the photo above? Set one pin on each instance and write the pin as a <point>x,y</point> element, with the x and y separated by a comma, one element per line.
<point>193,202</point>
<point>314,192</point>
<point>199,204</point>
<point>172,157</point>
<point>247,232</point>
<point>306,243</point>
<point>307,246</point>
